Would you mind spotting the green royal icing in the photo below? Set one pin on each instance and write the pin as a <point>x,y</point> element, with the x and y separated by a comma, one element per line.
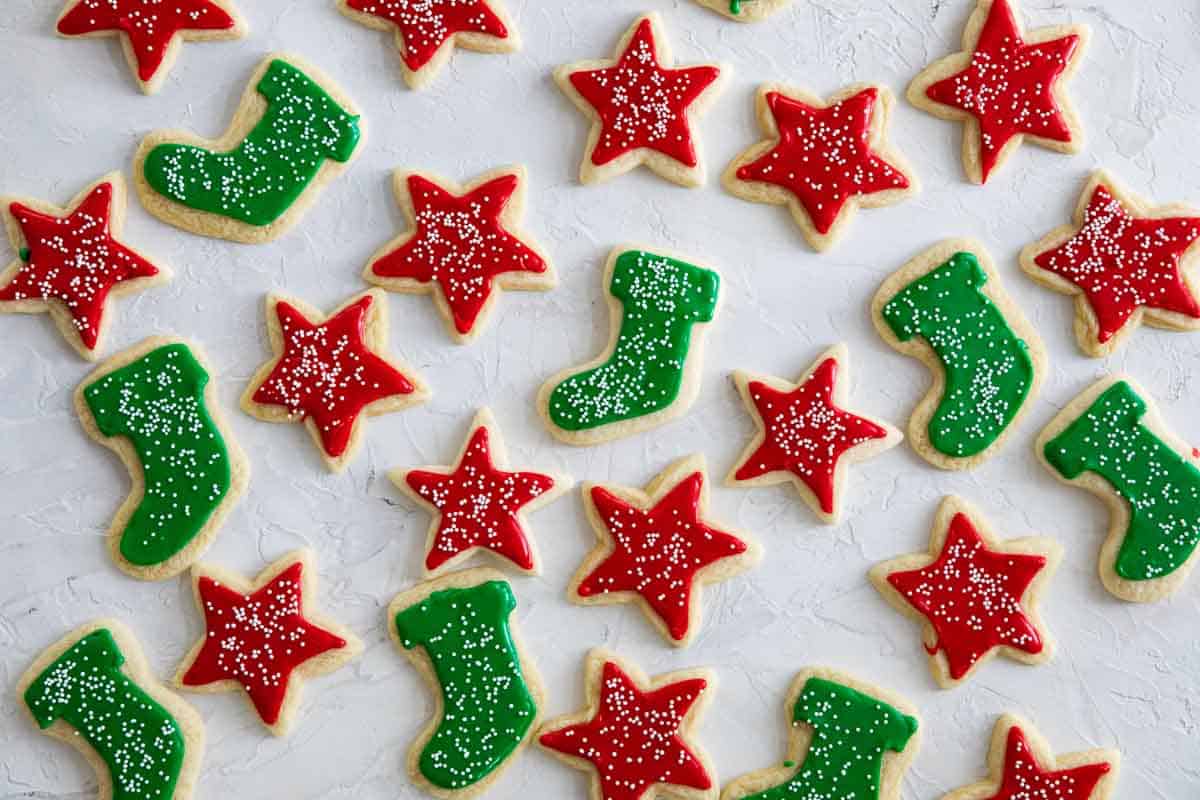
<point>136,738</point>
<point>735,7</point>
<point>662,299</point>
<point>158,403</point>
<point>988,368</point>
<point>262,177</point>
<point>851,732</point>
<point>486,705</point>
<point>1161,486</point>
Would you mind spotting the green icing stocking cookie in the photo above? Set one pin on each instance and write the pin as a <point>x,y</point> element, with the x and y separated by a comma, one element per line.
<point>945,307</point>
<point>275,151</point>
<point>1110,440</point>
<point>151,404</point>
<point>92,689</point>
<point>457,630</point>
<point>855,745</point>
<point>648,373</point>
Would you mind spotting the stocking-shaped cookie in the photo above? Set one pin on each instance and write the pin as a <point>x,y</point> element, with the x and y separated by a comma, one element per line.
<point>457,630</point>
<point>93,690</point>
<point>945,307</point>
<point>1110,441</point>
<point>852,742</point>
<point>154,405</point>
<point>647,374</point>
<point>291,125</point>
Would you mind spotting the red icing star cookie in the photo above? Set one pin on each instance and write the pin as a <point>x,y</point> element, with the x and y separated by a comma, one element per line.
<point>427,31</point>
<point>1023,767</point>
<point>151,30</point>
<point>464,246</point>
<point>655,548</point>
<point>822,159</point>
<point>1124,260</point>
<point>974,594</point>
<point>478,505</point>
<point>641,108</point>
<point>328,372</point>
<point>805,435</point>
<point>1005,86</point>
<point>263,638</point>
<point>70,262</point>
<point>634,735</point>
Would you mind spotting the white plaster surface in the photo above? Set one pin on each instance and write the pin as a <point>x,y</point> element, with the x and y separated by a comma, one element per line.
<point>1125,676</point>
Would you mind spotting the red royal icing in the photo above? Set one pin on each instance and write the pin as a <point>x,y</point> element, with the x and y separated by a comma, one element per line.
<point>327,373</point>
<point>1122,262</point>
<point>824,156</point>
<point>479,505</point>
<point>1009,85</point>
<point>461,244</point>
<point>641,103</point>
<point>658,552</point>
<point>426,25</point>
<point>633,740</point>
<point>971,595</point>
<point>1024,778</point>
<point>805,433</point>
<point>74,259</point>
<point>257,639</point>
<point>149,24</point>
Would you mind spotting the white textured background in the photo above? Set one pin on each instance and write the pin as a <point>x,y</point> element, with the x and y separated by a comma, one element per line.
<point>1125,676</point>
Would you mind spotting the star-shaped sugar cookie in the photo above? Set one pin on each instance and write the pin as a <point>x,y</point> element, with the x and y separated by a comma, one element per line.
<point>656,548</point>
<point>805,434</point>
<point>152,31</point>
<point>1125,261</point>
<point>1006,86</point>
<point>642,109</point>
<point>70,261</point>
<point>822,159</point>
<point>263,637</point>
<point>329,372</point>
<point>463,247</point>
<point>975,595</point>
<point>477,504</point>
